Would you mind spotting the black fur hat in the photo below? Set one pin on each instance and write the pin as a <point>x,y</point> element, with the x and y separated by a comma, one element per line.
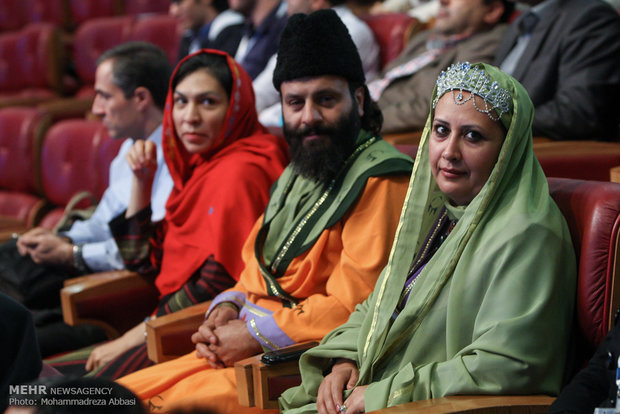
<point>317,44</point>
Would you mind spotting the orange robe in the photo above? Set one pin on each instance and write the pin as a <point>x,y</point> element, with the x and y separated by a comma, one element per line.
<point>336,273</point>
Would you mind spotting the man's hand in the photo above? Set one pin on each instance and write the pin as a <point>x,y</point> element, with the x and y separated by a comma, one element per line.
<point>205,335</point>
<point>329,398</point>
<point>44,247</point>
<point>234,343</point>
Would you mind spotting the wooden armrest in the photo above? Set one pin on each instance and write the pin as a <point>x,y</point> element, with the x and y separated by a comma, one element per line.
<point>115,301</point>
<point>260,385</point>
<point>75,107</point>
<point>169,336</point>
<point>476,404</point>
<point>614,174</point>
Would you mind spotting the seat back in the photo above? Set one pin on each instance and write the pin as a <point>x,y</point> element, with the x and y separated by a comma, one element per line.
<point>10,78</point>
<point>41,56</point>
<point>76,157</point>
<point>31,62</point>
<point>92,39</point>
<point>84,10</point>
<point>592,211</point>
<point>584,160</point>
<point>161,30</point>
<point>391,31</point>
<point>12,15</point>
<point>49,11</point>
<point>134,7</point>
<point>98,35</point>
<point>21,135</point>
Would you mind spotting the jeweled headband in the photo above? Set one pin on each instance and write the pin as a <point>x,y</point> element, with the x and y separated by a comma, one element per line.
<point>463,77</point>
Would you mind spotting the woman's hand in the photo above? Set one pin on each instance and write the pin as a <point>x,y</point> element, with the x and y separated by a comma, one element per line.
<point>355,402</point>
<point>105,353</point>
<point>142,160</point>
<point>329,398</point>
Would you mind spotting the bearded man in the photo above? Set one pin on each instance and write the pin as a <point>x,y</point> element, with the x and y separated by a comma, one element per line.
<point>326,233</point>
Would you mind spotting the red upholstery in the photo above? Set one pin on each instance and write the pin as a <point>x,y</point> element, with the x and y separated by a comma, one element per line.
<point>10,79</point>
<point>21,135</point>
<point>585,160</point>
<point>12,15</point>
<point>76,157</point>
<point>31,65</point>
<point>84,10</point>
<point>95,37</point>
<point>389,30</point>
<point>146,6</point>
<point>39,46</point>
<point>592,211</point>
<point>50,11</point>
<point>162,30</point>
<point>98,35</point>
<point>107,149</point>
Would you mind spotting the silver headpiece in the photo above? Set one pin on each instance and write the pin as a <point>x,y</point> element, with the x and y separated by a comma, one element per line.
<point>462,77</point>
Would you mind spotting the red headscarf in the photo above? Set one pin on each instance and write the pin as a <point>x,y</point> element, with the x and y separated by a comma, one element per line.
<point>214,202</point>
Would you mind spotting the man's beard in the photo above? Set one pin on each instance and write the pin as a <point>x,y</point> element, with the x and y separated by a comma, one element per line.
<point>321,160</point>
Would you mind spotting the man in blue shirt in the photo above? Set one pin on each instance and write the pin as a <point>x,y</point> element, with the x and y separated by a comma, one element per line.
<point>130,84</point>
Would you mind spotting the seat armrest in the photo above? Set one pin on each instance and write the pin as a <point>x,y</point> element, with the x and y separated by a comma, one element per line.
<point>261,385</point>
<point>66,108</point>
<point>169,336</point>
<point>476,404</point>
<point>614,174</point>
<point>115,301</point>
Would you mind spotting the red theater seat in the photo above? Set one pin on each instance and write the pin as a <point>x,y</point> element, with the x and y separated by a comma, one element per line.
<point>92,39</point>
<point>98,35</point>
<point>391,31</point>
<point>84,10</point>
<point>76,157</point>
<point>162,30</point>
<point>585,160</point>
<point>12,15</point>
<point>146,6</point>
<point>31,65</point>
<point>47,11</point>
<point>21,135</point>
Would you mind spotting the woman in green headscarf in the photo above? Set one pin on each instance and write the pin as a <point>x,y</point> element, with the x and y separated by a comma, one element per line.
<point>478,293</point>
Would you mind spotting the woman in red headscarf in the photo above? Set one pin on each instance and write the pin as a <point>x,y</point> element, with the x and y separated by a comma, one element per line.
<point>223,163</point>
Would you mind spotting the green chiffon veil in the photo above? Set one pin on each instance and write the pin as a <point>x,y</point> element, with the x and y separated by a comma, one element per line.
<point>491,310</point>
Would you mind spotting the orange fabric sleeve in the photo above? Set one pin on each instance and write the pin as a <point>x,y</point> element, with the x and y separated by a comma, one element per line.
<point>365,235</point>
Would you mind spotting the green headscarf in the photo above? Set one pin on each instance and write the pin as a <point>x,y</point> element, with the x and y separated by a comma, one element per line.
<point>491,310</point>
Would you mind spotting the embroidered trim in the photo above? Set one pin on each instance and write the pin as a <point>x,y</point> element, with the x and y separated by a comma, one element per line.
<point>397,394</point>
<point>388,268</point>
<point>261,336</point>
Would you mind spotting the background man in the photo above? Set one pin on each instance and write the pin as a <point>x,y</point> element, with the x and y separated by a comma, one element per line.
<point>465,30</point>
<point>566,53</point>
<point>207,24</point>
<point>351,181</point>
<point>130,85</point>
<point>268,98</point>
<point>265,20</point>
